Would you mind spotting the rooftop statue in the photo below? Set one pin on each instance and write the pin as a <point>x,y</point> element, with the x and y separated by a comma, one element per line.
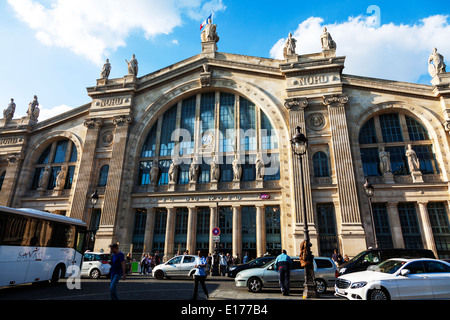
<point>326,40</point>
<point>210,32</point>
<point>106,70</point>
<point>289,47</point>
<point>132,66</point>
<point>8,113</point>
<point>437,66</point>
<point>33,109</point>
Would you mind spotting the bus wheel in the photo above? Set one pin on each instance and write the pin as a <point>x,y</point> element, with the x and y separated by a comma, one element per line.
<point>57,274</point>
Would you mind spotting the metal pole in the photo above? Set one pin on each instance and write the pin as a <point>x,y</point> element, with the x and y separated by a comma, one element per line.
<point>373,223</point>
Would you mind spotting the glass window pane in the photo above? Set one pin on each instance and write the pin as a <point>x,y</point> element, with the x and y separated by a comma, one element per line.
<point>103,176</point>
<point>168,127</point>
<point>320,165</point>
<point>164,171</point>
<point>60,154</point>
<point>271,167</point>
<point>416,130</point>
<point>368,133</point>
<point>426,159</point>
<point>69,177</point>
<point>44,158</point>
<point>269,138</point>
<point>149,147</point>
<point>226,122</point>
<point>390,127</point>
<point>398,159</point>
<point>73,153</point>
<point>207,106</point>
<point>382,227</point>
<point>247,121</point>
<point>410,226</point>
<point>370,161</point>
<point>187,125</point>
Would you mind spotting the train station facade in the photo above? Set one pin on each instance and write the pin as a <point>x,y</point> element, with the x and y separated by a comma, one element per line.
<point>205,143</point>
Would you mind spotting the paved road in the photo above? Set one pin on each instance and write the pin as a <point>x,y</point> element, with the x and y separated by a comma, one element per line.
<point>144,287</point>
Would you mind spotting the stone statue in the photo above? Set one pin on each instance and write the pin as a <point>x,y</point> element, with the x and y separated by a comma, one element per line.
<point>385,162</point>
<point>33,109</point>
<point>106,70</point>
<point>289,47</point>
<point>193,172</point>
<point>326,40</point>
<point>61,178</point>
<point>215,171</point>
<point>132,66</point>
<point>237,169</point>
<point>154,172</point>
<point>438,65</point>
<point>173,172</point>
<point>210,32</point>
<point>259,166</point>
<point>43,180</point>
<point>8,113</point>
<point>413,161</point>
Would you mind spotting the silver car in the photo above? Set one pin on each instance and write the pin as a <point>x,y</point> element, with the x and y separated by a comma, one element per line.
<point>178,266</point>
<point>95,265</point>
<point>325,272</point>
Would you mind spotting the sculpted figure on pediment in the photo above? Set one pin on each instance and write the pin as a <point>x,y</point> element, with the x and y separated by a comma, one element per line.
<point>327,41</point>
<point>8,113</point>
<point>33,109</point>
<point>436,64</point>
<point>132,66</point>
<point>106,70</point>
<point>290,46</point>
<point>209,33</point>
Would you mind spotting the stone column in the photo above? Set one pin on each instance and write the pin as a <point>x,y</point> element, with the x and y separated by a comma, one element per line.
<point>191,230</point>
<point>170,234</point>
<point>396,227</point>
<point>352,231</point>
<point>260,231</point>
<point>11,177</point>
<point>427,231</point>
<point>111,204</point>
<point>149,229</point>
<point>213,222</point>
<point>78,210</point>
<point>237,231</point>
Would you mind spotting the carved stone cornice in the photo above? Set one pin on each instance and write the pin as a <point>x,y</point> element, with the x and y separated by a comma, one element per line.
<point>335,99</point>
<point>122,120</point>
<point>295,102</point>
<point>92,123</point>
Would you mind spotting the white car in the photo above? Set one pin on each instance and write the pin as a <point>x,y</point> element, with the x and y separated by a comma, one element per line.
<point>397,279</point>
<point>178,266</point>
<point>95,265</point>
<point>256,279</point>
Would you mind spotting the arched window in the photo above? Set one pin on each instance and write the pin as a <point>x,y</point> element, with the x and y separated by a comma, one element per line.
<point>103,176</point>
<point>228,125</point>
<point>394,131</point>
<point>320,165</point>
<point>58,154</point>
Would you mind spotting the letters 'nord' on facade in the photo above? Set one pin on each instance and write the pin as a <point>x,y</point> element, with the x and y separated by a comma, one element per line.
<point>205,143</point>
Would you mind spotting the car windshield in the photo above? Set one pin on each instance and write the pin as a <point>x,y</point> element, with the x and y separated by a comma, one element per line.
<point>389,266</point>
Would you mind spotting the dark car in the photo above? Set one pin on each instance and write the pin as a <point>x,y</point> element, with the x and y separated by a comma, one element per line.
<point>375,256</point>
<point>255,263</point>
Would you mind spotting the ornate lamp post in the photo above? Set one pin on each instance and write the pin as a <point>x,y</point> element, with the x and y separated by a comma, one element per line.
<point>92,231</point>
<point>299,145</point>
<point>369,189</point>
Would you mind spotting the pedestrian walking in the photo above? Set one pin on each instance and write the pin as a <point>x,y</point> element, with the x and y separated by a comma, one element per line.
<point>117,269</point>
<point>223,264</point>
<point>200,275</point>
<point>283,265</point>
<point>157,258</point>
<point>337,258</point>
<point>246,258</point>
<point>208,263</point>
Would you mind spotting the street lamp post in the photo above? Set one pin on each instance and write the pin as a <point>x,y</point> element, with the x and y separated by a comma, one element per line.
<point>92,231</point>
<point>369,189</point>
<point>299,145</point>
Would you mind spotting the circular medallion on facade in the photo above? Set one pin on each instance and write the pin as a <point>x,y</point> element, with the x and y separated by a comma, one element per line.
<point>107,139</point>
<point>316,121</point>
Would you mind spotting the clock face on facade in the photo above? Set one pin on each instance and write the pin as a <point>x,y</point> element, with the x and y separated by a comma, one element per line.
<point>207,139</point>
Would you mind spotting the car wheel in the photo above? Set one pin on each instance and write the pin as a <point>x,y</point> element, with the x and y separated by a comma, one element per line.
<point>378,294</point>
<point>95,274</point>
<point>159,275</point>
<point>58,273</point>
<point>321,286</point>
<point>254,285</point>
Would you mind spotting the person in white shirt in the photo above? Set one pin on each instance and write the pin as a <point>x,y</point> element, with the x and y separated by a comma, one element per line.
<point>200,275</point>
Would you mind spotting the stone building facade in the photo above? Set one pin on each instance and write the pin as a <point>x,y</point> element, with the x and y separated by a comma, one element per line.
<point>205,143</point>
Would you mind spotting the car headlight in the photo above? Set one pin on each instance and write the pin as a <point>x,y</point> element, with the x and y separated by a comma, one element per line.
<point>342,271</point>
<point>357,285</point>
<point>232,268</point>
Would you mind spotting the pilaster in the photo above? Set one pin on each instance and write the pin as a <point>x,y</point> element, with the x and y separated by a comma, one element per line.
<point>9,183</point>
<point>170,234</point>
<point>427,231</point>
<point>191,230</point>
<point>396,227</point>
<point>237,231</point>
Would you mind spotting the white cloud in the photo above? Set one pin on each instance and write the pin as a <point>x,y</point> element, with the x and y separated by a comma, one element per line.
<point>45,112</point>
<point>396,52</point>
<point>94,28</point>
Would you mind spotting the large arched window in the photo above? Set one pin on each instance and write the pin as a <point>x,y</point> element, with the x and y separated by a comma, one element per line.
<point>209,125</point>
<point>394,131</point>
<point>58,154</point>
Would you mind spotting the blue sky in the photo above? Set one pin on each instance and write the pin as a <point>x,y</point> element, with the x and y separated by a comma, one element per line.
<point>55,49</point>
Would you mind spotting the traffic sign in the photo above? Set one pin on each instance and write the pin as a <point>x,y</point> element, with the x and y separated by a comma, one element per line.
<point>216,231</point>
<point>216,238</point>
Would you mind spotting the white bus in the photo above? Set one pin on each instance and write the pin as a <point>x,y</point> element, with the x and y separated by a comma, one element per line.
<point>38,246</point>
